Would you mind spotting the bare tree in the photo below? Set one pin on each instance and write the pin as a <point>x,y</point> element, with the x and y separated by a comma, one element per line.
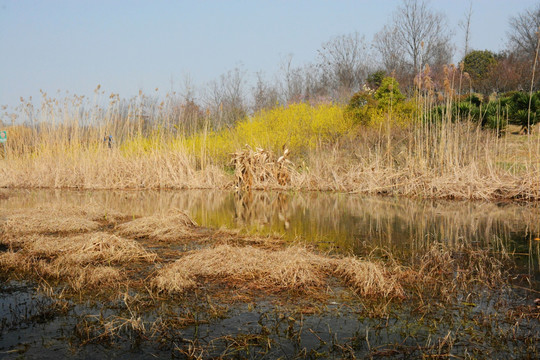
<point>344,60</point>
<point>265,95</point>
<point>466,26</point>
<point>225,98</point>
<point>523,32</point>
<point>418,35</point>
<point>392,53</point>
<point>293,81</point>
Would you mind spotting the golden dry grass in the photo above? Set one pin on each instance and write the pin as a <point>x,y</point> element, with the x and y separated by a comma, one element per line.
<point>261,168</point>
<point>369,278</point>
<point>174,225</point>
<point>86,248</point>
<point>56,219</point>
<point>292,268</point>
<point>62,242</point>
<point>100,168</point>
<point>42,221</point>
<point>78,276</point>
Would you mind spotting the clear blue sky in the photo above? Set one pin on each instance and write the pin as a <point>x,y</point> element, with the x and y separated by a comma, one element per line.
<point>130,45</point>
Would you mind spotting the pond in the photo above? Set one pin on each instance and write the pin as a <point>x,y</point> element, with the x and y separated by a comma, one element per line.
<point>349,222</point>
<point>337,223</point>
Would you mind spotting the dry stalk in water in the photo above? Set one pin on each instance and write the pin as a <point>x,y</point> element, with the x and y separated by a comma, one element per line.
<point>260,168</point>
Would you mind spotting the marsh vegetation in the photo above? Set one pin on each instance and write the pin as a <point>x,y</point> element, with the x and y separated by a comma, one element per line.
<point>129,273</point>
<point>222,227</point>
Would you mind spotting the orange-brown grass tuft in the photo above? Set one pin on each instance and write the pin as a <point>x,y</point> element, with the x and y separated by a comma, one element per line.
<point>369,278</point>
<point>57,219</point>
<point>83,260</point>
<point>78,276</point>
<point>293,268</point>
<point>45,221</point>
<point>174,225</point>
<point>87,248</point>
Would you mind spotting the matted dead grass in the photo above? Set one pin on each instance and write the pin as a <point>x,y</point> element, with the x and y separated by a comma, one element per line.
<point>57,219</point>
<point>293,268</point>
<point>290,268</point>
<point>370,278</point>
<point>78,276</point>
<point>174,225</point>
<point>87,248</point>
<point>82,260</point>
<point>43,221</point>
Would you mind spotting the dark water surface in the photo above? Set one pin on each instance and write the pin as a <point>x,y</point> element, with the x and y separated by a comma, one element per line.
<point>341,222</point>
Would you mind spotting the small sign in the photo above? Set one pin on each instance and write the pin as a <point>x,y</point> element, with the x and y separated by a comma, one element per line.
<point>3,136</point>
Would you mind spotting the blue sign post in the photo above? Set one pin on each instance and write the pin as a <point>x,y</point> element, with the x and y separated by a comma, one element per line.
<point>3,139</point>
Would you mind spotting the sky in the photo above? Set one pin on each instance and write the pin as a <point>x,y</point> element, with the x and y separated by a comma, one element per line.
<point>127,46</point>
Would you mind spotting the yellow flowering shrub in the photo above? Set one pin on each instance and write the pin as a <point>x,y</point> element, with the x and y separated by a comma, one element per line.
<point>298,127</point>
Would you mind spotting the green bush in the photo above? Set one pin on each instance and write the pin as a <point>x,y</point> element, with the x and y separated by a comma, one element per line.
<point>358,109</point>
<point>388,94</point>
<point>519,109</point>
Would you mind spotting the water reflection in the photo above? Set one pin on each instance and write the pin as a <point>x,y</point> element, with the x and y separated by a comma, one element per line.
<point>352,223</point>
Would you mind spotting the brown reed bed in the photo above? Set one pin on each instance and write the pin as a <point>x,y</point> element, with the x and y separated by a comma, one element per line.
<point>293,268</point>
<point>261,168</point>
<point>175,225</point>
<point>84,260</point>
<point>58,218</point>
<point>91,249</point>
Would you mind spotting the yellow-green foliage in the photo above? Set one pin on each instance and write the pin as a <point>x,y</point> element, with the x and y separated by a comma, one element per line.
<point>401,114</point>
<point>299,127</point>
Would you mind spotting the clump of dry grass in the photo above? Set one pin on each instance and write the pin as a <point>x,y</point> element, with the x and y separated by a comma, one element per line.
<point>291,268</point>
<point>173,226</point>
<point>83,260</point>
<point>369,278</point>
<point>260,168</point>
<point>78,276</point>
<point>87,248</point>
<point>57,219</point>
<point>45,221</point>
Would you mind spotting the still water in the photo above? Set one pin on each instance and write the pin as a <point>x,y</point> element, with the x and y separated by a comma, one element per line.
<point>341,222</point>
<point>338,222</point>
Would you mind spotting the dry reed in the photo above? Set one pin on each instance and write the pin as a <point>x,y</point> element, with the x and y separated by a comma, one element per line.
<point>86,249</point>
<point>174,225</point>
<point>293,268</point>
<point>369,278</point>
<point>260,168</point>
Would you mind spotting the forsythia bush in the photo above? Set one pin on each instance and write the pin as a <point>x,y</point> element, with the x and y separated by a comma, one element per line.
<point>298,127</point>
